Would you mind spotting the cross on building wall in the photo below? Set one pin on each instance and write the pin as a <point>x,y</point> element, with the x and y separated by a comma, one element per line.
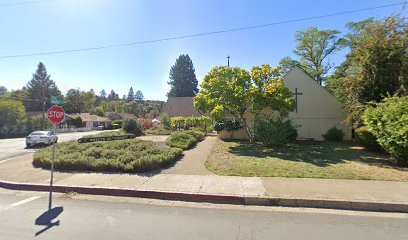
<point>296,98</point>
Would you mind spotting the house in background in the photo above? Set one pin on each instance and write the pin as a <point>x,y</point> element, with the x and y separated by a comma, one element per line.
<point>316,109</point>
<point>92,121</point>
<point>181,107</point>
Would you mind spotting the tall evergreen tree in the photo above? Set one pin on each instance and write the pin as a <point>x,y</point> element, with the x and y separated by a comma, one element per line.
<point>39,90</point>
<point>113,96</point>
<point>139,96</point>
<point>131,95</point>
<point>103,94</point>
<point>183,80</point>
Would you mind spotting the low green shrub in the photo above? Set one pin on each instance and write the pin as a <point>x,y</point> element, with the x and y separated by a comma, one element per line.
<point>114,156</point>
<point>181,140</point>
<point>333,134</point>
<point>177,122</point>
<point>219,126</point>
<point>107,134</point>
<point>159,130</point>
<point>274,131</point>
<point>165,121</point>
<point>367,139</point>
<point>198,135</point>
<point>388,121</point>
<point>131,125</point>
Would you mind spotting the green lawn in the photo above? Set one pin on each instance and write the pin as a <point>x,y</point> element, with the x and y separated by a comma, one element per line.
<point>303,160</point>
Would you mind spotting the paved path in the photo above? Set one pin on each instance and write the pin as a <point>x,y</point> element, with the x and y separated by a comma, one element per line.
<point>192,163</point>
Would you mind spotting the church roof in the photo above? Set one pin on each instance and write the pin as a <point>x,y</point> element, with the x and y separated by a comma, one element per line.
<point>181,106</point>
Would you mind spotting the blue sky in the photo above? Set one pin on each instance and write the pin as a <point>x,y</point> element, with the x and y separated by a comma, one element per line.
<point>71,24</point>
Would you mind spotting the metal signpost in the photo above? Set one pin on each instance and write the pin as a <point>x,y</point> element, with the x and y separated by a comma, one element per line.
<point>56,115</point>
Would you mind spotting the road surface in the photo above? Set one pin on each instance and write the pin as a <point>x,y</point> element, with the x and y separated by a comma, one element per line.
<point>91,219</point>
<point>14,147</point>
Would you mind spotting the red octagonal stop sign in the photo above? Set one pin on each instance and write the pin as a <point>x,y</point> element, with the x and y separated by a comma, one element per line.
<point>56,114</point>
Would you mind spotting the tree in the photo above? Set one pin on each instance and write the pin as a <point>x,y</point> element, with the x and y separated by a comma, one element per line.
<point>376,67</point>
<point>183,80</point>
<point>131,95</point>
<point>113,96</point>
<point>314,46</point>
<point>234,90</point>
<point>77,101</point>
<point>139,96</point>
<point>103,94</point>
<point>287,63</point>
<point>12,115</point>
<point>3,91</point>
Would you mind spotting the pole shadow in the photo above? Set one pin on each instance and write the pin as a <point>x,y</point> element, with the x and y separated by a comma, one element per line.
<point>46,219</point>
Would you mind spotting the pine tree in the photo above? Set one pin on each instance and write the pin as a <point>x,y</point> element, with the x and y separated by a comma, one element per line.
<point>103,94</point>
<point>113,96</point>
<point>131,95</point>
<point>183,80</point>
<point>139,96</point>
<point>39,90</point>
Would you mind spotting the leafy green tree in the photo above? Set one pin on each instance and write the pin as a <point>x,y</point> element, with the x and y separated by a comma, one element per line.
<point>77,101</point>
<point>235,91</point>
<point>131,95</point>
<point>314,46</point>
<point>287,63</point>
<point>377,66</point>
<point>98,111</point>
<point>139,96</point>
<point>183,80</point>
<point>12,116</point>
<point>39,90</point>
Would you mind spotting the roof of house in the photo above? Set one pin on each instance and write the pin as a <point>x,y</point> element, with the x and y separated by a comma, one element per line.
<point>181,106</point>
<point>87,117</point>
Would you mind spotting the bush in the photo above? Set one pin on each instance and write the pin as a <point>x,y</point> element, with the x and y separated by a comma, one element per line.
<point>274,131</point>
<point>146,122</point>
<point>159,130</point>
<point>219,126</point>
<point>177,122</point>
<point>334,135</point>
<point>165,120</point>
<point>367,139</point>
<point>115,156</point>
<point>132,126</point>
<point>181,140</point>
<point>117,123</point>
<point>388,121</point>
<point>198,135</point>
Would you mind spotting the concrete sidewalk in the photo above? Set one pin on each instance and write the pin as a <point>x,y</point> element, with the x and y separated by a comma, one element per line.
<point>323,193</point>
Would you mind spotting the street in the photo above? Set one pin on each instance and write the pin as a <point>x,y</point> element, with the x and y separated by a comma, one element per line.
<point>14,147</point>
<point>122,218</point>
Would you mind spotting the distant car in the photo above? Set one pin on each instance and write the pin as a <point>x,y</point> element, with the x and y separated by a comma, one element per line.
<point>100,127</point>
<point>41,137</point>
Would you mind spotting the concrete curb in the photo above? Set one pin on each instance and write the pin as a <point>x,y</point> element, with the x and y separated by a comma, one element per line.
<point>215,198</point>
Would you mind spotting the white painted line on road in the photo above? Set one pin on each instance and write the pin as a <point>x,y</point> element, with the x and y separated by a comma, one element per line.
<point>16,204</point>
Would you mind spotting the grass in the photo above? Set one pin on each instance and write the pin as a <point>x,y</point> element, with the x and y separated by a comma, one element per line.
<point>113,156</point>
<point>303,160</point>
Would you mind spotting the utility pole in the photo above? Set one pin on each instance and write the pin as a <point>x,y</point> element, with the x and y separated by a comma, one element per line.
<point>228,59</point>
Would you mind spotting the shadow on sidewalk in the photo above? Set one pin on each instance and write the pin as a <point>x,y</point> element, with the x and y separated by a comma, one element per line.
<point>46,219</point>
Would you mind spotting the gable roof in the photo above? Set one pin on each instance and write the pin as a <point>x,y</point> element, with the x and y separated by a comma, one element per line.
<point>181,106</point>
<point>87,117</point>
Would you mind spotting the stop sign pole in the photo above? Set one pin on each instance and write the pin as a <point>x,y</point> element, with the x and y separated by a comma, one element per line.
<point>56,115</point>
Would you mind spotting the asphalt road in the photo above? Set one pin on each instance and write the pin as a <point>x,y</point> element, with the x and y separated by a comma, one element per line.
<point>14,147</point>
<point>90,219</point>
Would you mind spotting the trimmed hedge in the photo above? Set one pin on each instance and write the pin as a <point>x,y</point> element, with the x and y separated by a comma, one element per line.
<point>114,156</point>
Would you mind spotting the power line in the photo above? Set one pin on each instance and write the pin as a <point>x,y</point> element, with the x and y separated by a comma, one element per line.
<point>25,3</point>
<point>199,34</point>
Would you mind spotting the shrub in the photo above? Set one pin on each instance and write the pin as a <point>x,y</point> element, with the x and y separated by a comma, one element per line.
<point>177,122</point>
<point>367,139</point>
<point>181,140</point>
<point>165,120</point>
<point>333,134</point>
<point>117,123</point>
<point>388,121</point>
<point>146,122</point>
<point>132,126</point>
<point>117,156</point>
<point>219,126</point>
<point>274,131</point>
<point>159,130</point>
<point>198,135</point>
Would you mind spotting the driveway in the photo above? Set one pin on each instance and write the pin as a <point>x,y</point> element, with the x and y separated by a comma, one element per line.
<point>14,147</point>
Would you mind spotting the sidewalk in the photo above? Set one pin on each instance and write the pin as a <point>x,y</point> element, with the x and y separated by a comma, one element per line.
<point>323,193</point>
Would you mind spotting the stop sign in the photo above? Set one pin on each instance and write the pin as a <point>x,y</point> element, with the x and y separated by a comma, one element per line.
<point>56,114</point>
